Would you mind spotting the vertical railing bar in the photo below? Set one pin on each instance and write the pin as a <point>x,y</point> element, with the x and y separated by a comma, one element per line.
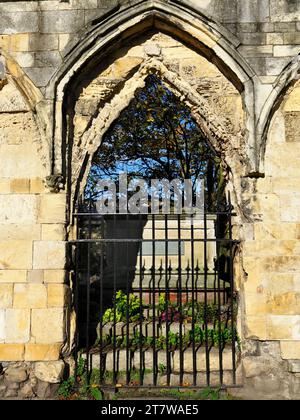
<point>115,368</point>
<point>128,360</point>
<point>155,367</point>
<point>233,330</point>
<point>101,371</point>
<point>88,295</point>
<point>206,300</point>
<point>219,304</point>
<point>167,300</point>
<point>180,301</point>
<point>141,311</point>
<point>193,301</point>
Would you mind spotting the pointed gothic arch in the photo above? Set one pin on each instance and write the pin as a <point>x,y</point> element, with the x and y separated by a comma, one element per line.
<point>288,77</point>
<point>181,21</point>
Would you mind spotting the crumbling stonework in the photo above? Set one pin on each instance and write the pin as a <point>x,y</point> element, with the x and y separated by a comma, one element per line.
<point>31,380</point>
<point>67,70</point>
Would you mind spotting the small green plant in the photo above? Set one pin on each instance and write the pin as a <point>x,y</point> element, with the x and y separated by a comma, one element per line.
<point>77,386</point>
<point>96,393</point>
<point>124,306</point>
<point>162,368</point>
<point>66,388</point>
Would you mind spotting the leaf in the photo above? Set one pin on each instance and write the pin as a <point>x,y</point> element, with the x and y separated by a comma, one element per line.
<point>96,394</point>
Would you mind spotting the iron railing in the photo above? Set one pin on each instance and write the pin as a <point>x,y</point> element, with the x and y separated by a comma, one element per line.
<point>155,299</point>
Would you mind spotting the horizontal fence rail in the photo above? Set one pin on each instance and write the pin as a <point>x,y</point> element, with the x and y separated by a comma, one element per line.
<point>155,300</point>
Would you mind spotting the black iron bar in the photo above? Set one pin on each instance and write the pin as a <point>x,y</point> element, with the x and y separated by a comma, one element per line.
<point>101,371</point>
<point>154,333</point>
<point>232,304</point>
<point>115,367</point>
<point>180,302</point>
<point>217,269</point>
<point>141,313</point>
<point>207,349</point>
<point>168,355</point>
<point>193,302</point>
<point>128,367</point>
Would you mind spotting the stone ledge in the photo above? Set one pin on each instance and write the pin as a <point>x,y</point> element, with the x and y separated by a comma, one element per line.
<point>12,352</point>
<point>42,352</point>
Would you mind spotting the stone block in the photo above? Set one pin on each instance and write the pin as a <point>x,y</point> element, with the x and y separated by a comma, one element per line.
<point>62,21</point>
<point>271,231</point>
<point>283,327</point>
<point>24,59</point>
<point>2,326</point>
<point>17,326</point>
<point>292,38</point>
<point>255,366</point>
<point>286,303</point>
<point>274,66</point>
<point>37,186</point>
<point>49,255</point>
<point>51,372</point>
<point>290,349</point>
<point>6,295</point>
<point>19,186</point>
<point>30,296</point>
<point>16,232</point>
<point>15,255</point>
<point>18,209</point>
<point>54,319</point>
<point>43,42</point>
<point>286,50</point>
<point>285,27</point>
<point>11,352</point>
<point>254,11</point>
<point>40,76</point>
<point>214,360</point>
<point>292,126</point>
<point>275,38</point>
<point>17,124</point>
<point>4,186</point>
<point>19,159</point>
<point>52,209</point>
<point>35,276</point>
<point>47,59</point>
<point>16,375</point>
<point>13,276</point>
<point>19,22</point>
<point>58,295</point>
<point>256,327</point>
<point>54,232</point>
<point>55,276</point>
<point>294,366</point>
<point>42,352</point>
<point>292,102</point>
<point>253,38</point>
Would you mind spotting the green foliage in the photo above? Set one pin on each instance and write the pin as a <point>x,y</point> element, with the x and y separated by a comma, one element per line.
<point>156,137</point>
<point>124,305</point>
<point>77,387</point>
<point>162,368</point>
<point>66,388</point>
<point>96,394</point>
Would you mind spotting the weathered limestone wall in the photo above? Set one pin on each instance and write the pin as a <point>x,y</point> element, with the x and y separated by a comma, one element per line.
<point>271,259</point>
<point>38,34</point>
<point>36,39</point>
<point>33,296</point>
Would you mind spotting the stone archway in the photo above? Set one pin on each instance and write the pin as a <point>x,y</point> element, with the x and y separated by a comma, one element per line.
<point>95,99</point>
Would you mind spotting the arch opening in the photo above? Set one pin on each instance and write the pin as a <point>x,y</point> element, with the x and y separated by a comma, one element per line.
<point>155,283</point>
